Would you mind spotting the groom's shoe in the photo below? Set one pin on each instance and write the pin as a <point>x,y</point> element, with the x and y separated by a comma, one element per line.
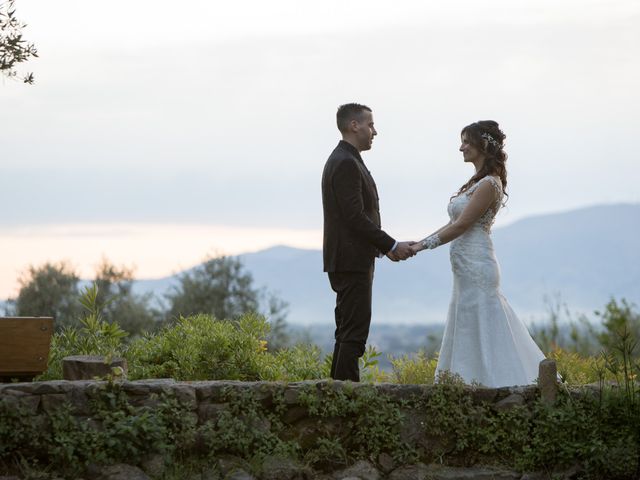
<point>346,367</point>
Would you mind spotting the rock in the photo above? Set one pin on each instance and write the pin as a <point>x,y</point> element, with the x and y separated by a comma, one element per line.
<point>186,395</point>
<point>535,476</point>
<point>87,367</point>
<point>53,402</point>
<point>483,395</point>
<point>439,472</point>
<point>281,468</point>
<point>513,400</point>
<point>210,411</point>
<point>122,471</point>
<point>294,414</point>
<point>548,381</point>
<point>211,474</point>
<point>418,471</point>
<point>228,464</point>
<point>239,475</point>
<point>386,463</point>
<point>154,465</point>
<point>56,386</point>
<point>360,470</point>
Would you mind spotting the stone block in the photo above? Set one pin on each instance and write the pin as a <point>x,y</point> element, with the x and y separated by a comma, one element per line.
<point>418,471</point>
<point>122,471</point>
<point>210,411</point>
<point>87,367</point>
<point>513,400</point>
<point>53,402</point>
<point>186,395</point>
<point>56,386</point>
<point>154,465</point>
<point>548,381</point>
<point>280,468</point>
<point>483,395</point>
<point>361,470</point>
<point>438,472</point>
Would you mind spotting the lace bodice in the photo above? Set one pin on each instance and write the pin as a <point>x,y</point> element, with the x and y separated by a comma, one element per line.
<point>459,202</point>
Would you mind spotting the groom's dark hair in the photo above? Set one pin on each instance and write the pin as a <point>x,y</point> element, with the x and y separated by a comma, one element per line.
<point>348,112</point>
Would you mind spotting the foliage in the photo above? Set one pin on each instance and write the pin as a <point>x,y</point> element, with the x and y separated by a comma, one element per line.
<point>575,369</point>
<point>246,428</point>
<point>94,337</point>
<point>418,369</point>
<point>49,290</point>
<point>298,362</point>
<point>201,348</point>
<point>618,319</point>
<point>595,430</point>
<point>117,432</point>
<point>218,287</point>
<point>582,335</point>
<point>132,312</point>
<point>52,290</point>
<point>13,48</point>
<point>358,423</point>
<point>369,366</point>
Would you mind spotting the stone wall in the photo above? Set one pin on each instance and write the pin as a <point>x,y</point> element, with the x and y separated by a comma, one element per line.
<point>205,400</point>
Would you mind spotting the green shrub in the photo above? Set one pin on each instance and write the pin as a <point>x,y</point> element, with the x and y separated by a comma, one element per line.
<point>300,362</point>
<point>116,432</point>
<point>201,348</point>
<point>418,369</point>
<point>94,337</point>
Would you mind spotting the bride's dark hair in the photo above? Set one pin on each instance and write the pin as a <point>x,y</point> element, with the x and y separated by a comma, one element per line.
<point>486,136</point>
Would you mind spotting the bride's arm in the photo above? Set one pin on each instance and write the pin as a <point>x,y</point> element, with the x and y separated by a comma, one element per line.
<point>483,198</point>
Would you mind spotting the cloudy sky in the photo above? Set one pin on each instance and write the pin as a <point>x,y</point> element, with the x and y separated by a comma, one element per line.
<point>158,132</point>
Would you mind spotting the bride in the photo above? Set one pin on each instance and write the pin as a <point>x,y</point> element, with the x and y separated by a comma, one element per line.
<point>484,341</point>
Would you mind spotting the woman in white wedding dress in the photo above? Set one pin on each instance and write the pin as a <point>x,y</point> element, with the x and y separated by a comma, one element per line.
<point>484,341</point>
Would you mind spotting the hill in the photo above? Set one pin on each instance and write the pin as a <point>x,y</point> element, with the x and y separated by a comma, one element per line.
<point>585,256</point>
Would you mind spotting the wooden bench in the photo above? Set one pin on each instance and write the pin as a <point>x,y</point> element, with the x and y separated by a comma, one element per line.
<point>24,347</point>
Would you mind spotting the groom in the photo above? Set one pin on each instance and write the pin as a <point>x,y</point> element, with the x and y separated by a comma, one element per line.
<point>352,237</point>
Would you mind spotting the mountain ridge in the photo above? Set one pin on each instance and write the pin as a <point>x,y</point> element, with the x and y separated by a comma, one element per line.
<point>585,256</point>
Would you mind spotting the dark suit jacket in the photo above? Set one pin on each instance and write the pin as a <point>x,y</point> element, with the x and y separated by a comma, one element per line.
<point>352,235</point>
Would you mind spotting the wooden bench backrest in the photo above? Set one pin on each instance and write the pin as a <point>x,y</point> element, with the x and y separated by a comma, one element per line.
<point>24,345</point>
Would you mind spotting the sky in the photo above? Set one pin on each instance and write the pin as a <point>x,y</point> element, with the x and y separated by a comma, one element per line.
<point>161,132</point>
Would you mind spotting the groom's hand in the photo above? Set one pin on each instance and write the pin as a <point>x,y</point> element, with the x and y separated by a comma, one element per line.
<point>403,251</point>
<point>391,256</point>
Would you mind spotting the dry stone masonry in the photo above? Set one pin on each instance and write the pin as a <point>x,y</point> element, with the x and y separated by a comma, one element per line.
<point>205,400</point>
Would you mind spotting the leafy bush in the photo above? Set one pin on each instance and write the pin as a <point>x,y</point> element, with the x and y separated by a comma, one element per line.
<point>94,337</point>
<point>117,432</point>
<point>418,369</point>
<point>201,348</point>
<point>300,362</point>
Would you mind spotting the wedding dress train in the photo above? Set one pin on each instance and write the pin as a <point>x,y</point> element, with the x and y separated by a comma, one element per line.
<point>484,341</point>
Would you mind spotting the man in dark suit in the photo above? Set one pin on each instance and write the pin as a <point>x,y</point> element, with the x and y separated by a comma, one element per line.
<point>353,237</point>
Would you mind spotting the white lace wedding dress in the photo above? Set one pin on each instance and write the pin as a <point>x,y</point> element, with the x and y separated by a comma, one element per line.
<point>484,340</point>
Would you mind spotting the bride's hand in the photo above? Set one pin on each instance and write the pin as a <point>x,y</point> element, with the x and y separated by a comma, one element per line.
<point>416,247</point>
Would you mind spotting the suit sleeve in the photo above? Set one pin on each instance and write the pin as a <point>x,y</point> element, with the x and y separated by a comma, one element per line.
<point>347,184</point>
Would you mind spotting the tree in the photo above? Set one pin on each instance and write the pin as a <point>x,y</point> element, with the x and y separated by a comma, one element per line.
<point>50,290</point>
<point>13,48</point>
<point>120,305</point>
<point>53,290</point>
<point>222,288</point>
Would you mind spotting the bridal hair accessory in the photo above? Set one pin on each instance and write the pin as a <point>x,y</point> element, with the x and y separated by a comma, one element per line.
<point>491,140</point>
<point>432,241</point>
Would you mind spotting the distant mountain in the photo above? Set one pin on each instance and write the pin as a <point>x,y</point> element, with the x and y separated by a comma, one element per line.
<point>586,256</point>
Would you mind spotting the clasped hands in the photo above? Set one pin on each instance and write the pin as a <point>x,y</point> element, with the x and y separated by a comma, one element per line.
<point>403,251</point>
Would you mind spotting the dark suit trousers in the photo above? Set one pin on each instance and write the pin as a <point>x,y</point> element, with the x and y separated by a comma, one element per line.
<point>353,317</point>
